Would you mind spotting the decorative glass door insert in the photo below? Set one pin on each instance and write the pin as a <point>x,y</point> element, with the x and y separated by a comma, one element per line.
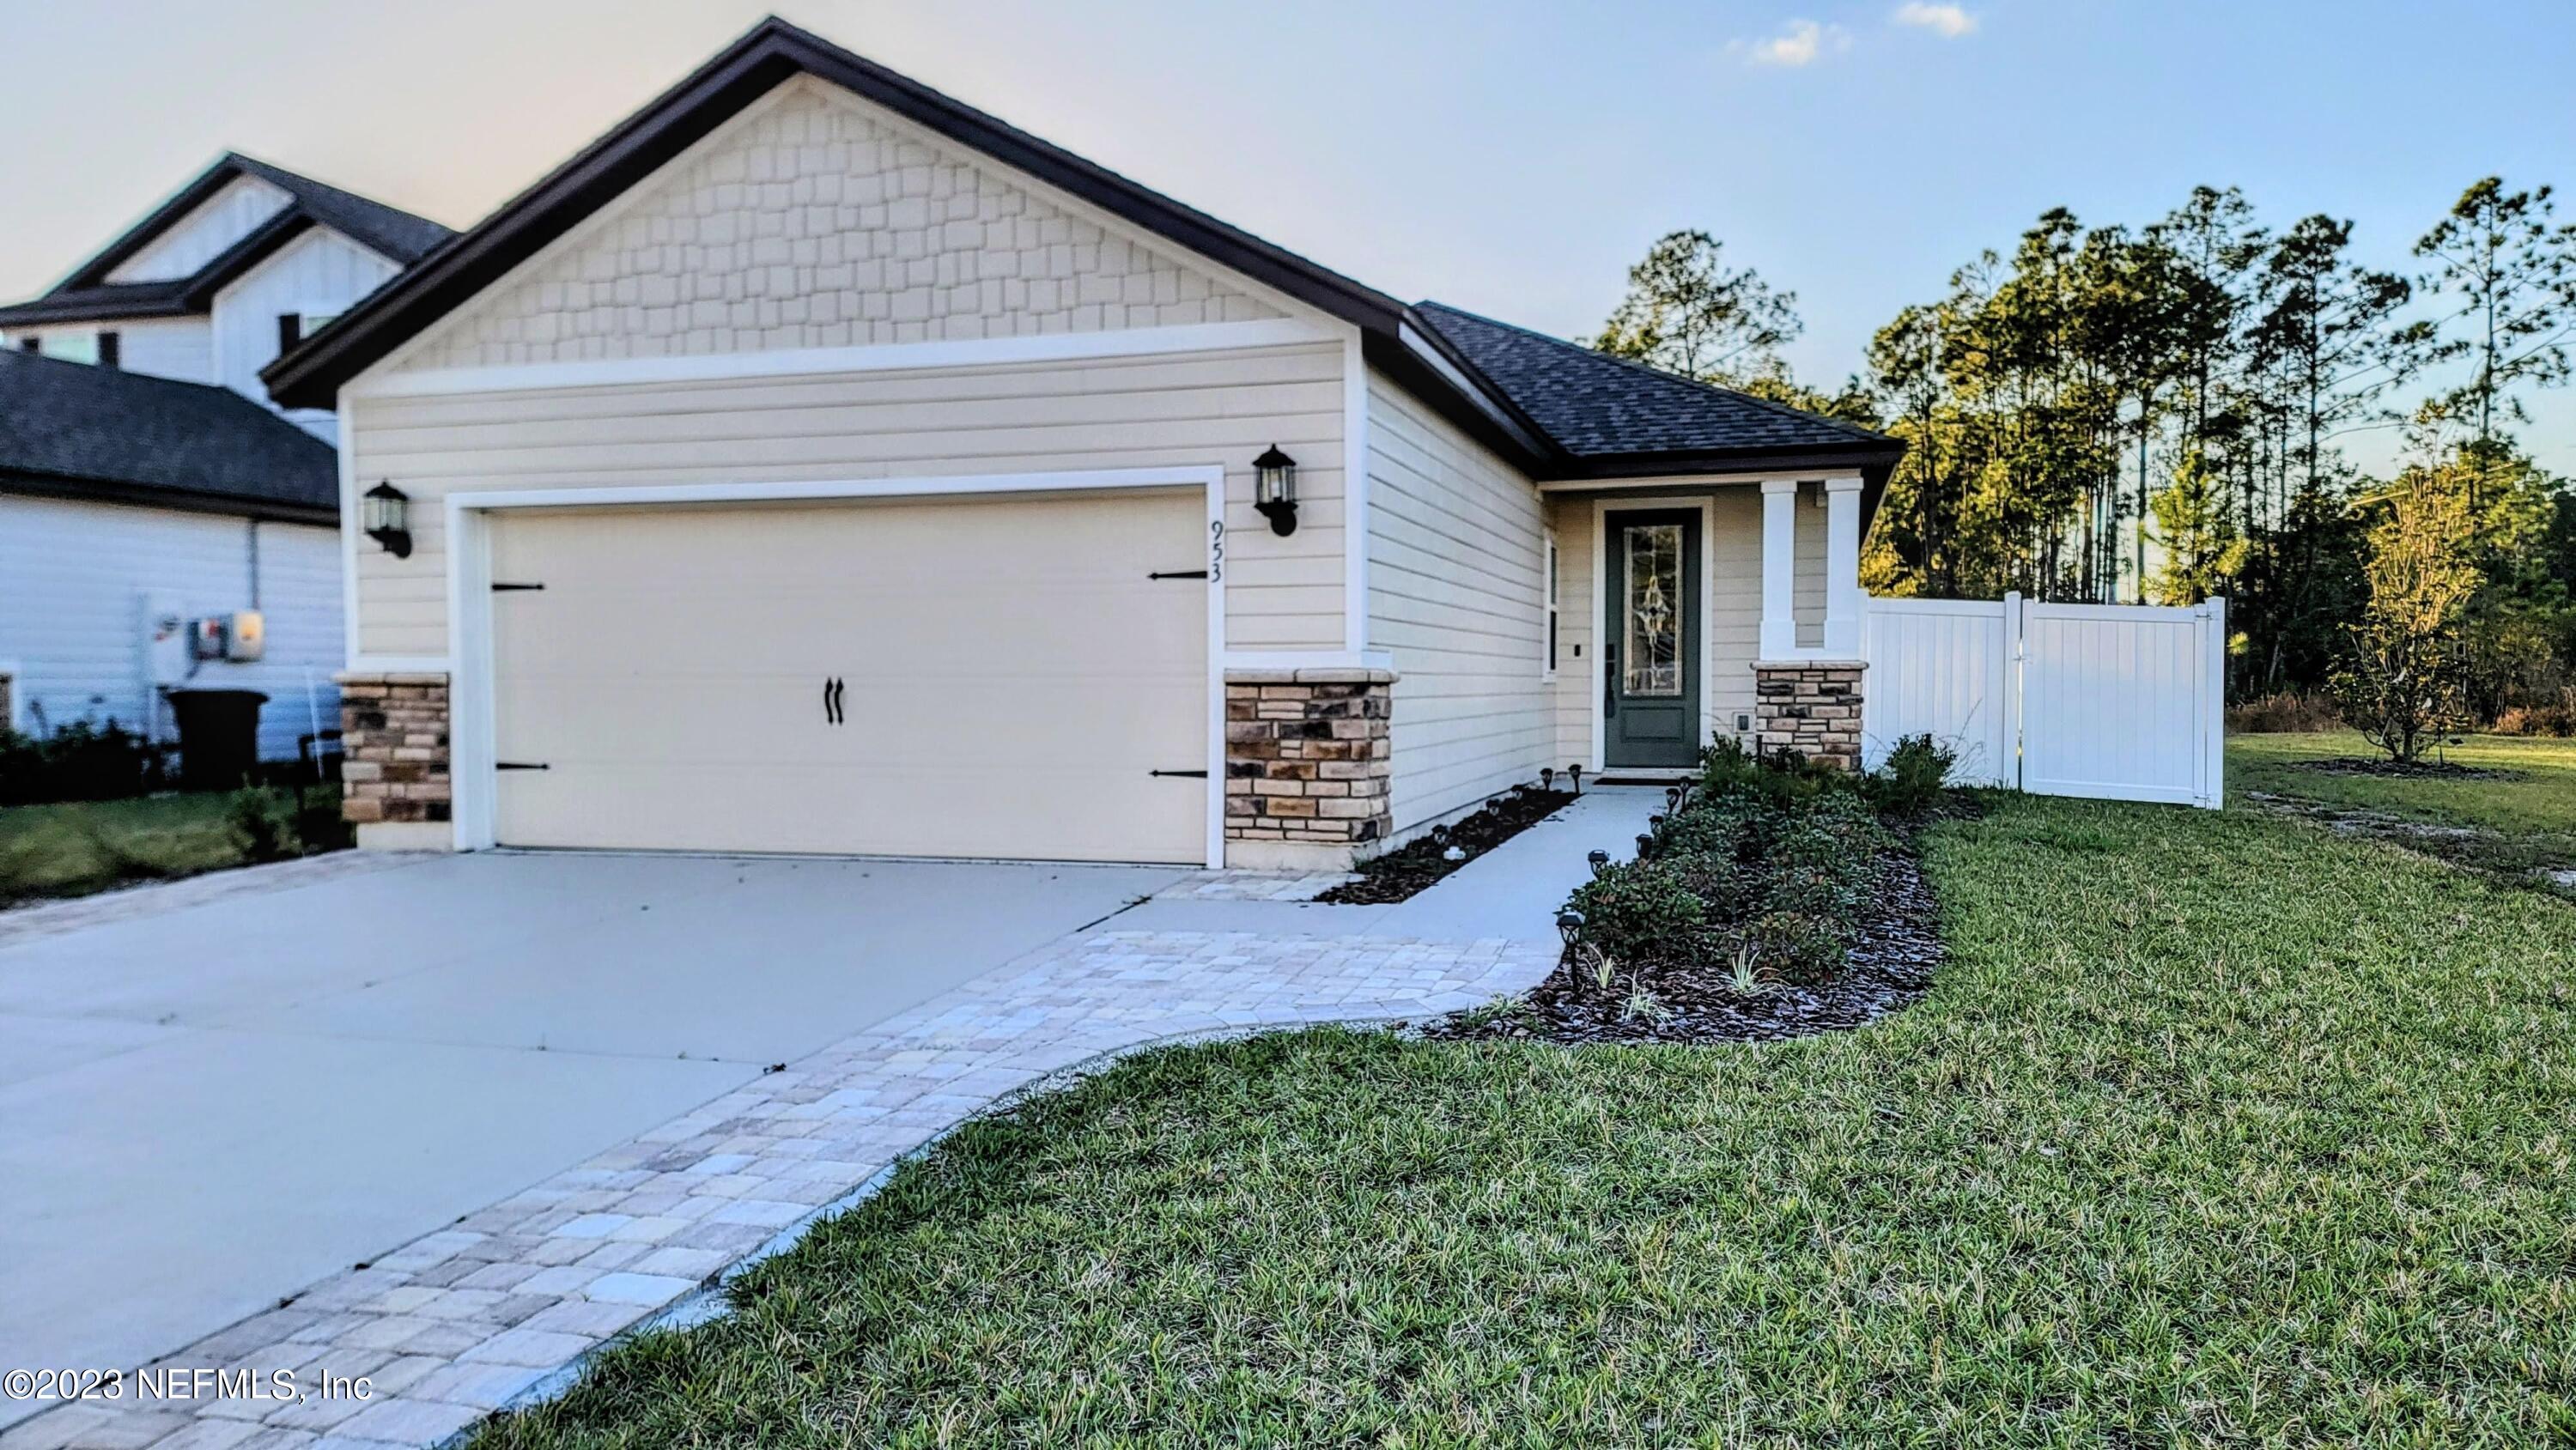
<point>1652,653</point>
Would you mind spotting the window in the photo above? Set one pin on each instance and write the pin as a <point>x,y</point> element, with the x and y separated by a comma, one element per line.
<point>1653,663</point>
<point>1550,584</point>
<point>32,344</point>
<point>290,331</point>
<point>111,350</point>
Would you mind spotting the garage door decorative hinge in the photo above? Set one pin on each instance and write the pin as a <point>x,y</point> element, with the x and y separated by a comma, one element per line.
<point>520,765</point>
<point>1178,574</point>
<point>1194,774</point>
<point>508,588</point>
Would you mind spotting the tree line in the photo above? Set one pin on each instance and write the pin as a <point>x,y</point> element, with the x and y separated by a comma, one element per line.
<point>2159,413</point>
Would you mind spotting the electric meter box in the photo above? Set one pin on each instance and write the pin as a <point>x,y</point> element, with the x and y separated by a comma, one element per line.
<point>239,638</point>
<point>245,636</point>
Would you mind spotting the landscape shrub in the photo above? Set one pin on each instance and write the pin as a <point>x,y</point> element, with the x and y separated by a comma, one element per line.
<point>78,762</point>
<point>262,832</point>
<point>1913,776</point>
<point>1729,771</point>
<point>1728,885</point>
<point>1731,827</point>
<point>2543,717</point>
<point>1768,863</point>
<point>1640,910</point>
<point>1800,947</point>
<point>2288,712</point>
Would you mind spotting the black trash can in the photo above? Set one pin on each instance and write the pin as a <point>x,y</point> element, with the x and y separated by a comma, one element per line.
<point>218,736</point>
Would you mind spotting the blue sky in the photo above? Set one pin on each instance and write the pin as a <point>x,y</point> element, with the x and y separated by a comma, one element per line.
<point>1509,157</point>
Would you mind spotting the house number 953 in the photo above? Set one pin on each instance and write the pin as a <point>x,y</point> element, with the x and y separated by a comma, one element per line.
<point>1216,550</point>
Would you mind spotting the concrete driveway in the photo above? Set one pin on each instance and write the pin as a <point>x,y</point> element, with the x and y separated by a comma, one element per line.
<point>205,1108</point>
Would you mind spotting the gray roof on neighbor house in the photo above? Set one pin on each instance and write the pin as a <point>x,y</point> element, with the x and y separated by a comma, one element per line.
<point>72,430</point>
<point>1596,406</point>
<point>87,296</point>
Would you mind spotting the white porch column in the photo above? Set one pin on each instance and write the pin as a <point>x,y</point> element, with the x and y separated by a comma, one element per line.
<point>1843,600</point>
<point>1779,568</point>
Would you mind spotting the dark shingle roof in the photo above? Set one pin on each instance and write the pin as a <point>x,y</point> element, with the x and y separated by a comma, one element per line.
<point>395,233</point>
<point>1558,411</point>
<point>1594,405</point>
<point>70,429</point>
<point>87,296</point>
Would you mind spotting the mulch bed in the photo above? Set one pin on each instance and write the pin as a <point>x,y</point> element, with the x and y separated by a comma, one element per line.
<point>2403,769</point>
<point>1418,863</point>
<point>1889,968</point>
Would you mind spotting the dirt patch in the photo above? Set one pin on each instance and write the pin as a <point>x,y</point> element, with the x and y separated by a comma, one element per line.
<point>1418,863</point>
<point>2403,769</point>
<point>1890,967</point>
<point>2539,859</point>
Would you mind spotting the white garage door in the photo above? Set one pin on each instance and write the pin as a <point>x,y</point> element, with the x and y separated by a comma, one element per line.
<point>987,677</point>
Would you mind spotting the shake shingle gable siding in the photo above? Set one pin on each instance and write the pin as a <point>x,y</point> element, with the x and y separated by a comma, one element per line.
<point>1594,405</point>
<point>68,430</point>
<point>1555,411</point>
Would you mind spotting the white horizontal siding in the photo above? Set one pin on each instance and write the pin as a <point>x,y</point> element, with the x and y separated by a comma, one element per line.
<point>1457,595</point>
<point>73,576</point>
<point>203,234</point>
<point>179,347</point>
<point>1220,408</point>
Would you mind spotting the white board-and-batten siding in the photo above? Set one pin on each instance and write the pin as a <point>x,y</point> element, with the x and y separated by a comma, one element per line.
<point>73,576</point>
<point>1218,408</point>
<point>204,233</point>
<point>320,273</point>
<point>1457,598</point>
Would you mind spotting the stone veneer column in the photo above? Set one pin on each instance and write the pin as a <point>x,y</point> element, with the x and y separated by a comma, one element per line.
<point>1307,762</point>
<point>1810,708</point>
<point>393,758</point>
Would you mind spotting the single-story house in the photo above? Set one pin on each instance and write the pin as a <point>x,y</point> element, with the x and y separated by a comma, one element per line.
<point>815,463</point>
<point>148,484</point>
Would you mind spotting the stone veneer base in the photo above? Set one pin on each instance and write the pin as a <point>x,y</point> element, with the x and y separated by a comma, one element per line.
<point>1308,763</point>
<point>393,750</point>
<point>1810,708</point>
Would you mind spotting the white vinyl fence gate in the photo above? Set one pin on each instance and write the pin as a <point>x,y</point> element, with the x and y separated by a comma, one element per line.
<point>2112,701</point>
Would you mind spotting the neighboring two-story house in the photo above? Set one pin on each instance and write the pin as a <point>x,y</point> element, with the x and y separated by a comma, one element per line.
<point>146,481</point>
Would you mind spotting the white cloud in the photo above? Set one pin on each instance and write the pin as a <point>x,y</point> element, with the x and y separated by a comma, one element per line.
<point>1947,21</point>
<point>1800,42</point>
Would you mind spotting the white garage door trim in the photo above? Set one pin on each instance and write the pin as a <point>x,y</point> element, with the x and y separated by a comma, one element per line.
<point>469,597</point>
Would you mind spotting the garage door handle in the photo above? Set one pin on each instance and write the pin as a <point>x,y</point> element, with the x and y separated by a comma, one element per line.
<point>1177,574</point>
<point>832,700</point>
<point>1192,774</point>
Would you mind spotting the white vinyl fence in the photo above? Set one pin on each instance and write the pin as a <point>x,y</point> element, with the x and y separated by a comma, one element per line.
<point>2117,702</point>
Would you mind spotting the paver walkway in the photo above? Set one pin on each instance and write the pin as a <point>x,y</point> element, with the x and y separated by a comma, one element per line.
<point>501,1306</point>
<point>462,1321</point>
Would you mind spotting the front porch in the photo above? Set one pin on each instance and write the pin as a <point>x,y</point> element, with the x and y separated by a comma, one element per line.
<point>1691,610</point>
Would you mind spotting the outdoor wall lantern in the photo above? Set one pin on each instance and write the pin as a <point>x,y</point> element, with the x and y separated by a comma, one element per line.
<point>1274,490</point>
<point>385,513</point>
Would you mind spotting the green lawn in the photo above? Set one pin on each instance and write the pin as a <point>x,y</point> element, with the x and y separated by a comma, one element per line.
<point>2216,1129</point>
<point>2526,822</point>
<point>81,847</point>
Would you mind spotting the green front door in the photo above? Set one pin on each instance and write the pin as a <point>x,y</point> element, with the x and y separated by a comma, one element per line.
<point>1650,672</point>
